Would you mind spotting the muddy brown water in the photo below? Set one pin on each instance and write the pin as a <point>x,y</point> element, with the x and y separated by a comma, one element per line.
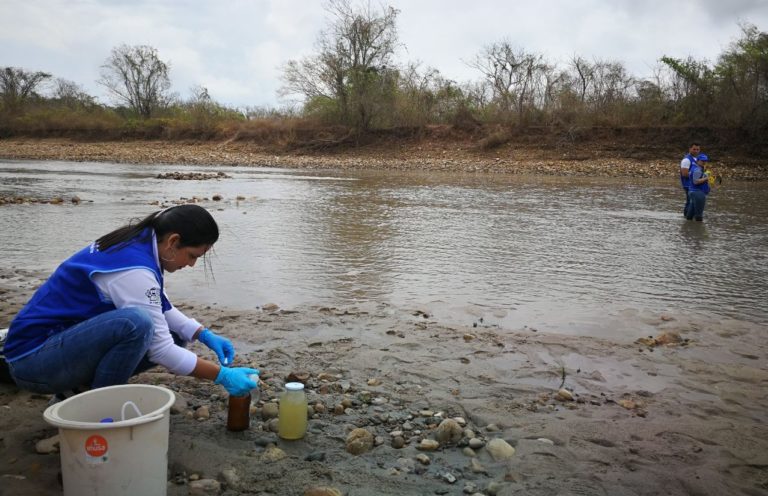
<point>585,256</point>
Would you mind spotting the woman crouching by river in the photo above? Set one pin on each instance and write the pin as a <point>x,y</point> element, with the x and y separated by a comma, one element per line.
<point>103,315</point>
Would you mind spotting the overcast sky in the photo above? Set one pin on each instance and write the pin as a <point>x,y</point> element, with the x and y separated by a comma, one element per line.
<point>236,48</point>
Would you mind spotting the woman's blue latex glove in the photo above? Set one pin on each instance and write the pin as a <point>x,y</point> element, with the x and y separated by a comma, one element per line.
<point>236,381</point>
<point>221,346</point>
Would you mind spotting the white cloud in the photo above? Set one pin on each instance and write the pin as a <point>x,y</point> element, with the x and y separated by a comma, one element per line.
<point>235,48</point>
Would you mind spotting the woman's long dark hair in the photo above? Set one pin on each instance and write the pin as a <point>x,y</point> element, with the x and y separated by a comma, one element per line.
<point>192,223</point>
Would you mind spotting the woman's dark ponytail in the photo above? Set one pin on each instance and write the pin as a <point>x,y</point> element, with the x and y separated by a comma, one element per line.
<point>193,223</point>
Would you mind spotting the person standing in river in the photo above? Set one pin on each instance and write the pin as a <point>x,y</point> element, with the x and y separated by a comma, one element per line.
<point>685,165</point>
<point>103,315</point>
<point>699,189</point>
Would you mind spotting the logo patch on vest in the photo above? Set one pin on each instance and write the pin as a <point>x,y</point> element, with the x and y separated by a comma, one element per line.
<point>153,295</point>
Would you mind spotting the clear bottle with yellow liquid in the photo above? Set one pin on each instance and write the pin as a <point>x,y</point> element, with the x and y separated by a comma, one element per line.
<point>292,418</point>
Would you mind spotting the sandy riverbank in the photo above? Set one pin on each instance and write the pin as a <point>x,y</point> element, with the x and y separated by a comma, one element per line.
<point>587,160</point>
<point>672,419</point>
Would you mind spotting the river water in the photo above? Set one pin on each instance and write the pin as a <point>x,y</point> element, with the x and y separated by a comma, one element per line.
<point>587,256</point>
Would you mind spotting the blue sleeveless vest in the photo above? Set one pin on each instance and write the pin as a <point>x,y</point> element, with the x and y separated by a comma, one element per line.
<point>686,181</point>
<point>69,296</point>
<point>704,187</point>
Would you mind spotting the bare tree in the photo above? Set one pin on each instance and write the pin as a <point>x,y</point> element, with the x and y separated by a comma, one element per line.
<point>136,76</point>
<point>516,77</point>
<point>352,69</point>
<point>584,73</point>
<point>71,94</point>
<point>17,86</point>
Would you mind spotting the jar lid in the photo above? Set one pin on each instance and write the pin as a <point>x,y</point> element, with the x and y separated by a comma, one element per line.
<point>294,386</point>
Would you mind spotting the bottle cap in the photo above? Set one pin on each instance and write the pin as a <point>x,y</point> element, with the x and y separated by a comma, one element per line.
<point>294,386</point>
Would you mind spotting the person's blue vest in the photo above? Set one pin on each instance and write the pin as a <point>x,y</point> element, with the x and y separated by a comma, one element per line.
<point>703,187</point>
<point>686,181</point>
<point>70,296</point>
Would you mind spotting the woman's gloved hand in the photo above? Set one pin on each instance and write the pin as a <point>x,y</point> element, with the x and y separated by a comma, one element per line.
<point>221,346</point>
<point>236,381</point>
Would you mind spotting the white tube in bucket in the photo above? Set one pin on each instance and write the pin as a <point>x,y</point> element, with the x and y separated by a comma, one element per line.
<point>135,409</point>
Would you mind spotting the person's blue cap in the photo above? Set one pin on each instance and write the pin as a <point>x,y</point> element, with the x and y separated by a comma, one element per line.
<point>703,157</point>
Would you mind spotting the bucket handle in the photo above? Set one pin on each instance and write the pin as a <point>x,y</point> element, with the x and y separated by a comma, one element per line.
<point>135,408</point>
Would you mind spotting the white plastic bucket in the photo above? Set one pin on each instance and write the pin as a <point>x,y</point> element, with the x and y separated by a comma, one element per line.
<point>126,457</point>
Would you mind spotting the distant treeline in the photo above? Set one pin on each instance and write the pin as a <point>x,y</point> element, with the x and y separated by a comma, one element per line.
<point>354,85</point>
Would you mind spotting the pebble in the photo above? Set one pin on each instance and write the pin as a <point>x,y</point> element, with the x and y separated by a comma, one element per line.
<point>470,488</point>
<point>202,413</point>
<point>398,442</point>
<point>500,449</point>
<point>359,441</point>
<point>317,456</point>
<point>273,425</point>
<point>406,465</point>
<point>448,432</point>
<point>322,491</point>
<point>493,488</point>
<point>48,446</point>
<point>179,405</point>
<point>269,411</point>
<point>476,443</point>
<point>230,477</point>
<point>428,445</point>
<point>448,477</point>
<point>298,376</point>
<point>423,459</point>
<point>564,395</point>
<point>204,487</point>
<point>476,467</point>
<point>469,452</point>
<point>272,454</point>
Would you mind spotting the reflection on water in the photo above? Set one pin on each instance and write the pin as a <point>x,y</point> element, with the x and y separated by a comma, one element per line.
<point>571,255</point>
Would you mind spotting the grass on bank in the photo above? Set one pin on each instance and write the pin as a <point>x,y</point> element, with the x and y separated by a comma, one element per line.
<point>290,133</point>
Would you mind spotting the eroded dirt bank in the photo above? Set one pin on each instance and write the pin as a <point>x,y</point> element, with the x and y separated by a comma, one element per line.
<point>443,155</point>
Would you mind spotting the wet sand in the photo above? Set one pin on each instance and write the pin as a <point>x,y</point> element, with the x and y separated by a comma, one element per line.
<point>687,418</point>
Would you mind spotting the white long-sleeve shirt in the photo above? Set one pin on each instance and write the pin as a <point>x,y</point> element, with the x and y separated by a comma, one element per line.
<point>139,288</point>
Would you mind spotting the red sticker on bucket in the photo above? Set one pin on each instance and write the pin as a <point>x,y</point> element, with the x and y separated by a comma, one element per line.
<point>96,446</point>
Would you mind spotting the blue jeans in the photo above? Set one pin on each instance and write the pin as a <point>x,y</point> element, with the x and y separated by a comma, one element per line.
<point>102,351</point>
<point>687,203</point>
<point>698,201</point>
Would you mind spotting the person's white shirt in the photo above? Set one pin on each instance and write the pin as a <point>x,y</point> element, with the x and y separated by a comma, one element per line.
<point>138,288</point>
<point>685,164</point>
